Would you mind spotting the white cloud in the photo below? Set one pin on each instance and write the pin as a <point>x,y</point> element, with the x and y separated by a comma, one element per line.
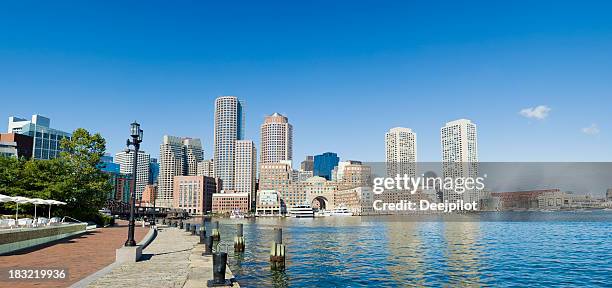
<point>539,112</point>
<point>591,130</point>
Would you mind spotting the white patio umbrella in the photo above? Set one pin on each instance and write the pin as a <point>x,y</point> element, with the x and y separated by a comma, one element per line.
<point>5,198</point>
<point>38,201</point>
<point>54,202</point>
<point>18,200</point>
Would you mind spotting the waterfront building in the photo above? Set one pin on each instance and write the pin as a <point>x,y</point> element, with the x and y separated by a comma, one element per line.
<point>350,174</point>
<point>269,203</point>
<point>317,192</point>
<point>246,169</point>
<point>148,195</point>
<point>46,140</point>
<point>276,139</point>
<point>308,164</point>
<point>122,187</point>
<point>228,201</point>
<point>275,176</point>
<point>459,156</point>
<point>125,161</point>
<point>302,175</point>
<point>206,168</point>
<point>229,127</point>
<point>520,200</point>
<point>357,200</point>
<point>17,145</point>
<point>194,194</point>
<point>400,152</point>
<point>609,194</point>
<point>324,164</point>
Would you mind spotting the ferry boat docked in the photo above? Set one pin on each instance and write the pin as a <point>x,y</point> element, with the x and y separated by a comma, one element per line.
<point>301,211</point>
<point>341,210</point>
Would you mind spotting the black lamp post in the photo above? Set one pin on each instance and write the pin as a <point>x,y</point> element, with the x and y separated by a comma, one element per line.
<point>136,134</point>
<point>154,222</point>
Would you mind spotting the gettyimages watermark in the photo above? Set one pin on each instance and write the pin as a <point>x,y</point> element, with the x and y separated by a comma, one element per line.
<point>410,185</point>
<point>438,189</point>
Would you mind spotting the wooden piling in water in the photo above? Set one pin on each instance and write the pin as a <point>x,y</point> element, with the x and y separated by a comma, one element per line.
<point>239,239</point>
<point>215,231</point>
<point>277,251</point>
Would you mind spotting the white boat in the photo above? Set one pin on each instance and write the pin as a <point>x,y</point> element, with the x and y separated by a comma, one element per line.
<point>301,211</point>
<point>322,213</point>
<point>236,215</point>
<point>341,210</point>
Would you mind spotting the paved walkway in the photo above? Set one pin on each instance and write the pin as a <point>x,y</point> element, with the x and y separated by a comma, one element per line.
<point>172,260</point>
<point>82,255</point>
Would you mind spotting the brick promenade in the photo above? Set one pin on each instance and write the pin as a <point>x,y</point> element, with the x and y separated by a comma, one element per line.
<point>82,255</point>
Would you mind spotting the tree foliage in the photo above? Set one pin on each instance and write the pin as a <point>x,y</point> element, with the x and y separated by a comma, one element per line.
<point>72,178</point>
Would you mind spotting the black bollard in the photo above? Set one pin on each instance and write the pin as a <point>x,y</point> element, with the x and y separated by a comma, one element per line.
<point>215,231</point>
<point>163,221</point>
<point>187,226</point>
<point>239,239</point>
<point>202,234</point>
<point>277,252</point>
<point>208,246</point>
<point>219,266</point>
<point>181,224</point>
<point>193,229</point>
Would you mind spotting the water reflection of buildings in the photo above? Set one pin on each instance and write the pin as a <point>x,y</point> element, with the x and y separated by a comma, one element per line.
<point>463,254</point>
<point>406,251</point>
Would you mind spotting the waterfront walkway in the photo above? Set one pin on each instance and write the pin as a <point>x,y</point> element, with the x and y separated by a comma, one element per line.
<point>172,260</point>
<point>81,255</point>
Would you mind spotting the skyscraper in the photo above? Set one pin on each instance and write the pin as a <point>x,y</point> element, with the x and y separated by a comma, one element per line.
<point>400,152</point>
<point>459,155</point>
<point>177,157</point>
<point>276,139</point>
<point>192,153</point>
<point>229,127</point>
<point>324,164</point>
<point>246,169</point>
<point>46,142</point>
<point>125,161</point>
<point>170,165</point>
<point>307,164</point>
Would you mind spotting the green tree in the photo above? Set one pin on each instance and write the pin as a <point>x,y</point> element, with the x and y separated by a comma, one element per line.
<point>84,187</point>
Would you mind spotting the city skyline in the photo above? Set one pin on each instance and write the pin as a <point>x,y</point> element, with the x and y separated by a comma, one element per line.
<point>544,82</point>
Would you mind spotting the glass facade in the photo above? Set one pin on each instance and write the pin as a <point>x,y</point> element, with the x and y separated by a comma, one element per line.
<point>324,164</point>
<point>46,142</point>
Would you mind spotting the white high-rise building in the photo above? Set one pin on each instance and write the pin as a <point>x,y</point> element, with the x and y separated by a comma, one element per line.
<point>229,127</point>
<point>459,155</point>
<point>246,168</point>
<point>206,168</point>
<point>193,153</point>
<point>177,157</point>
<point>126,163</point>
<point>276,139</point>
<point>401,152</point>
<point>171,163</point>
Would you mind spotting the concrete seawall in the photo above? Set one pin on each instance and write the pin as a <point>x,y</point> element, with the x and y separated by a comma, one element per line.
<point>12,240</point>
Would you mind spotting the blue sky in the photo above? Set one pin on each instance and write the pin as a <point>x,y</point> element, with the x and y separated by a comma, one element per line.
<point>344,72</point>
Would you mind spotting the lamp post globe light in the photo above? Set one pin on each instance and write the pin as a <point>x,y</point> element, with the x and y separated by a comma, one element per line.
<point>136,134</point>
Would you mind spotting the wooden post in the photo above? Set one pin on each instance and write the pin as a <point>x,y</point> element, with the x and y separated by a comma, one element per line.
<point>215,232</point>
<point>239,239</point>
<point>277,251</point>
<point>202,234</point>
